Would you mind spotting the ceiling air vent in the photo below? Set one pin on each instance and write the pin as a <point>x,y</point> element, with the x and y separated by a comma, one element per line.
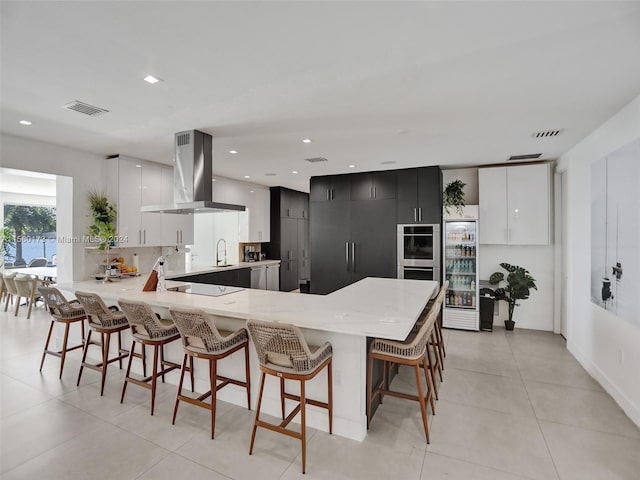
<point>85,108</point>
<point>183,139</point>
<point>530,156</point>
<point>315,159</point>
<point>547,133</point>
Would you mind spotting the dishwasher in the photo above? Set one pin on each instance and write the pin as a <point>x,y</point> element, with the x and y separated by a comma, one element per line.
<point>259,277</point>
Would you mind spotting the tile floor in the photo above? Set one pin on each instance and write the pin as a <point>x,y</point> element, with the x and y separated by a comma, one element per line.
<point>512,406</point>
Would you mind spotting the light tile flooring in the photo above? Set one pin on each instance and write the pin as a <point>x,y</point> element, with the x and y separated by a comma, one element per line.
<point>512,406</point>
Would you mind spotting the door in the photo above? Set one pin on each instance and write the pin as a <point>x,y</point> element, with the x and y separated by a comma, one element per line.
<point>528,204</point>
<point>129,178</point>
<point>407,196</point>
<point>563,255</point>
<point>492,183</point>
<point>288,238</point>
<point>303,249</point>
<point>151,194</point>
<point>319,189</point>
<point>329,242</point>
<point>373,239</point>
<point>384,185</point>
<point>429,195</point>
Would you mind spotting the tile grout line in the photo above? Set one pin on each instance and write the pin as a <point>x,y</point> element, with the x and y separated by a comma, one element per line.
<point>483,466</point>
<point>555,467</point>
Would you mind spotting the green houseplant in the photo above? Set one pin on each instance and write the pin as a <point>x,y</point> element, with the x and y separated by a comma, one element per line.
<point>454,196</point>
<point>519,285</point>
<point>104,215</point>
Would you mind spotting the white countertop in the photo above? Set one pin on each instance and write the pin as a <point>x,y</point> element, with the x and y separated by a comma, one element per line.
<point>196,269</point>
<point>373,307</point>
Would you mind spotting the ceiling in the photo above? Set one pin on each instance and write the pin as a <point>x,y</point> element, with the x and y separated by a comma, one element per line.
<point>415,83</point>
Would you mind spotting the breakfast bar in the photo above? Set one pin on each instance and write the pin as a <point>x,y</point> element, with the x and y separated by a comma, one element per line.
<point>372,307</point>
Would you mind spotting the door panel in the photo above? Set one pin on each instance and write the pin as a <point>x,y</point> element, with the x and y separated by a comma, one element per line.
<point>407,196</point>
<point>429,195</point>
<point>384,185</point>
<point>329,235</point>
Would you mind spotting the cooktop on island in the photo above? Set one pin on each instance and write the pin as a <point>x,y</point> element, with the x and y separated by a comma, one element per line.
<point>212,290</point>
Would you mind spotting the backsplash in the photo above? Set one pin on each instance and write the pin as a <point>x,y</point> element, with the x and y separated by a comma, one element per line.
<point>147,256</point>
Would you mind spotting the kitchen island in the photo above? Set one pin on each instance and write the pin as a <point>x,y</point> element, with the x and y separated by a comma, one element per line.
<point>372,307</point>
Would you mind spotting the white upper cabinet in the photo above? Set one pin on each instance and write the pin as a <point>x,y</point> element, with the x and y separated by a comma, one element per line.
<point>177,229</point>
<point>515,204</point>
<point>150,194</point>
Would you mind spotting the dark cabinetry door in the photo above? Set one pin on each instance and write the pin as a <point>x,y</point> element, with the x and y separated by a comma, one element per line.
<point>330,188</point>
<point>303,249</point>
<point>419,197</point>
<point>330,235</point>
<point>373,239</point>
<point>373,186</point>
<point>237,277</point>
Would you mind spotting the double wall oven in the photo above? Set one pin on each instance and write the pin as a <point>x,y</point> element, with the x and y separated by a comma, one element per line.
<point>419,251</point>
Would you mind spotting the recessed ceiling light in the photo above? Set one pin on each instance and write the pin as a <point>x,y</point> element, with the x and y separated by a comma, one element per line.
<point>213,179</point>
<point>306,140</point>
<point>294,171</point>
<point>138,166</point>
<point>352,166</point>
<point>25,122</point>
<point>250,191</point>
<point>151,79</point>
<point>247,176</point>
<point>233,152</point>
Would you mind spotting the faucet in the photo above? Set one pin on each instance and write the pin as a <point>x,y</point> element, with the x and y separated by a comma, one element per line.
<point>218,251</point>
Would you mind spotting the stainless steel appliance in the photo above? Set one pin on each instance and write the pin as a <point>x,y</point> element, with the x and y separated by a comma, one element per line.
<point>419,251</point>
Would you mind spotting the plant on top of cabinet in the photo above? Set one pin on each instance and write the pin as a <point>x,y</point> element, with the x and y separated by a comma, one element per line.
<point>454,196</point>
<point>104,215</point>
<point>519,285</point>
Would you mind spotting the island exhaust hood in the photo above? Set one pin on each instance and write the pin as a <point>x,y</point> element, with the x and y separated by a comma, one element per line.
<point>192,182</point>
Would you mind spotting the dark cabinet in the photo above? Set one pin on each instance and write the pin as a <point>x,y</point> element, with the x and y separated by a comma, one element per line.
<point>237,277</point>
<point>289,235</point>
<point>373,185</point>
<point>419,195</point>
<point>330,188</point>
<point>355,237</point>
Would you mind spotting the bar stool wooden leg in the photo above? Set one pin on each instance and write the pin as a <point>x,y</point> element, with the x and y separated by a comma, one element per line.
<point>330,395</point>
<point>154,380</point>
<point>423,406</point>
<point>282,396</point>
<point>46,344</point>
<point>191,374</point>
<point>126,375</point>
<point>184,367</point>
<point>303,424</point>
<point>162,362</point>
<point>247,373</point>
<point>63,353</point>
<point>255,423</point>
<point>84,356</point>
<point>432,372</point>
<point>119,349</point>
<point>105,358</point>
<point>429,387</point>
<point>213,366</point>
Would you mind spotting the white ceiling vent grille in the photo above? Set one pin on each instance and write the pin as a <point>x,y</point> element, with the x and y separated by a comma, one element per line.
<point>85,108</point>
<point>315,159</point>
<point>547,133</point>
<point>529,156</point>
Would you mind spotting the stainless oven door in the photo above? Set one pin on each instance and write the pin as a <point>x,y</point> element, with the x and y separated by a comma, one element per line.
<point>419,273</point>
<point>418,245</point>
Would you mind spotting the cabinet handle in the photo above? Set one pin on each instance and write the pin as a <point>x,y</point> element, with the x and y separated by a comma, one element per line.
<point>370,192</point>
<point>333,194</point>
<point>177,236</point>
<point>415,214</point>
<point>144,236</point>
<point>346,247</point>
<point>139,237</point>
<point>375,192</point>
<point>353,255</point>
<point>181,241</point>
<point>420,213</point>
<point>328,195</point>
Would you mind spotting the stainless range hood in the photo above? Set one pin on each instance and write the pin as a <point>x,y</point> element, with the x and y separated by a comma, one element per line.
<point>192,182</point>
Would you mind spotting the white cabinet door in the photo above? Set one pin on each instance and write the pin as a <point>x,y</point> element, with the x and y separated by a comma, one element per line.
<point>177,229</point>
<point>166,189</point>
<point>151,194</point>
<point>528,204</point>
<point>128,210</point>
<point>492,183</point>
<point>257,204</point>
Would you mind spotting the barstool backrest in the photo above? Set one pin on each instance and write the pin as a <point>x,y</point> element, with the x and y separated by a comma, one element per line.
<point>24,284</point>
<point>142,319</point>
<point>280,344</point>
<point>96,310</point>
<point>57,303</point>
<point>197,329</point>
<point>10,283</point>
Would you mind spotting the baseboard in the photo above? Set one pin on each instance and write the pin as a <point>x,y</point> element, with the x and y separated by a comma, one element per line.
<point>631,409</point>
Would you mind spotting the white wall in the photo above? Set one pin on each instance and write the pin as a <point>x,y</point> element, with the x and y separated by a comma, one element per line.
<point>86,172</point>
<point>607,346</point>
<point>470,177</point>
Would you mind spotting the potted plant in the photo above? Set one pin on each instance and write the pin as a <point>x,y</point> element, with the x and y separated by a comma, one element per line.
<point>519,285</point>
<point>104,215</point>
<point>454,196</point>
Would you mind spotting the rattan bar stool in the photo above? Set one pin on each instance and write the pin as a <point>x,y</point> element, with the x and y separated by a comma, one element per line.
<point>411,352</point>
<point>62,311</point>
<point>11,290</point>
<point>148,329</point>
<point>201,339</point>
<point>284,353</point>
<point>105,321</point>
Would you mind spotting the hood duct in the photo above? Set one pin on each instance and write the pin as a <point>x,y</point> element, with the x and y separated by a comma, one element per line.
<point>192,177</point>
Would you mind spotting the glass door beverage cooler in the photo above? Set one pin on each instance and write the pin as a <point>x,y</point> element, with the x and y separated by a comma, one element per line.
<point>460,239</point>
